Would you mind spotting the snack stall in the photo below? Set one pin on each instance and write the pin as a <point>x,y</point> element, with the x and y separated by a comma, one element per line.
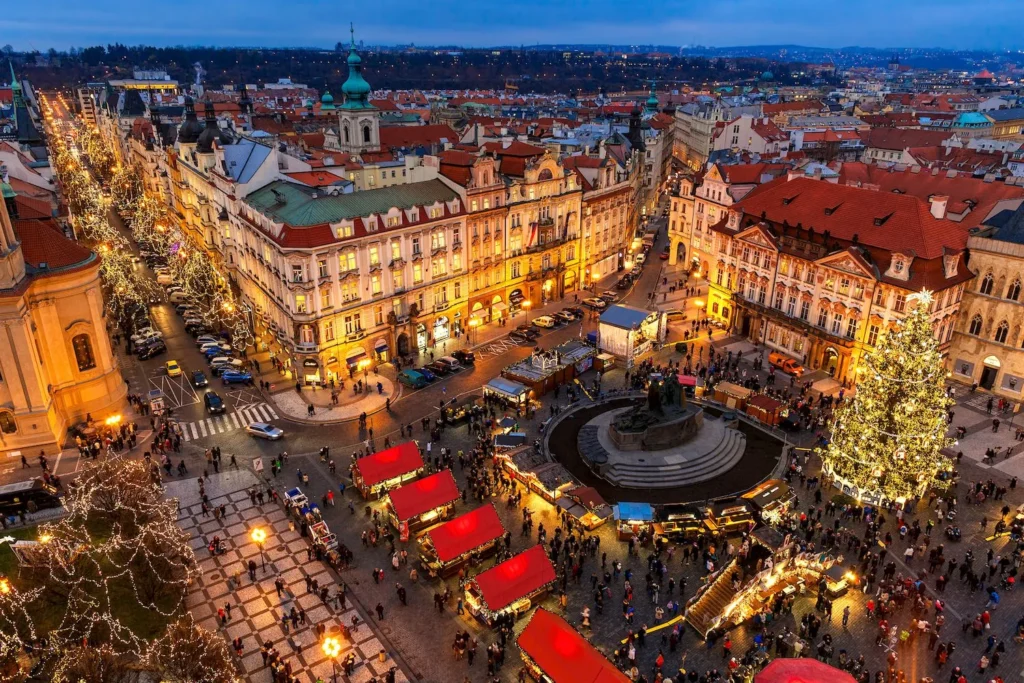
<point>589,509</point>
<point>679,523</point>
<point>375,474</point>
<point>732,395</point>
<point>542,371</point>
<point>509,589</point>
<point>771,500</point>
<point>734,517</point>
<point>633,519</point>
<point>554,652</point>
<point>423,502</point>
<point>765,409</point>
<point>446,549</point>
<point>549,480</point>
<point>508,392</point>
<point>839,580</point>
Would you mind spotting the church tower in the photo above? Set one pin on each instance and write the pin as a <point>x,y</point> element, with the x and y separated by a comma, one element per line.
<point>358,122</point>
<point>12,262</point>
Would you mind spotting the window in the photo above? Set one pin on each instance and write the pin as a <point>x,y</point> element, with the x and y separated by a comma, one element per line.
<point>325,298</point>
<point>805,310</point>
<point>416,246</point>
<point>394,221</point>
<point>1002,332</point>
<point>570,254</point>
<point>366,134</point>
<point>791,307</point>
<point>374,252</point>
<point>879,296</point>
<point>346,231</point>
<point>7,423</point>
<point>399,279</point>
<point>778,299</point>
<point>347,261</point>
<point>516,269</point>
<point>873,335</point>
<point>322,268</point>
<point>417,273</point>
<point>438,212</point>
<point>1013,293</point>
<point>822,317</point>
<point>378,315</point>
<point>437,240</point>
<point>975,327</point>
<point>83,352</point>
<point>352,324</point>
<point>844,285</point>
<point>297,273</point>
<point>300,303</point>
<point>457,261</point>
<point>438,266</point>
<point>375,284</point>
<point>396,250</point>
<point>762,294</point>
<point>441,295</point>
<point>987,283</point>
<point>349,291</point>
<point>837,323</point>
<point>900,304</point>
<point>458,289</point>
<point>329,331</point>
<point>851,328</point>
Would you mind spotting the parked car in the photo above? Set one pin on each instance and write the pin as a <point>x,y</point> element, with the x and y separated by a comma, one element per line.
<point>563,316</point>
<point>518,337</point>
<point>202,340</point>
<point>544,321</point>
<point>624,283</point>
<point>215,351</point>
<point>199,379</point>
<point>235,377</point>
<point>438,368</point>
<point>145,333</point>
<point>262,430</point>
<point>786,364</point>
<point>173,369</point>
<point>637,269</point>
<point>576,310</point>
<point>675,316</point>
<point>412,379</point>
<point>218,369</point>
<point>596,304</point>
<point>28,496</point>
<point>151,350</point>
<point>213,402</point>
<point>178,297</point>
<point>641,257</point>
<point>164,279</point>
<point>609,296</point>
<point>464,357</point>
<point>427,374</point>
<point>664,254</point>
<point>528,330</point>
<point>451,363</point>
<point>200,329</point>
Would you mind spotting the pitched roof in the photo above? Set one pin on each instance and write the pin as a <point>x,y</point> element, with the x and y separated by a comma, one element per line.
<point>316,178</point>
<point>902,138</point>
<point>513,149</point>
<point>786,107</point>
<point>402,137</point>
<point>244,158</point>
<point>42,242</point>
<point>907,225</point>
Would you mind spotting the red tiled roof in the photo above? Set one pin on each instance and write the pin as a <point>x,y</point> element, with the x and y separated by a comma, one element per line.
<point>903,138</point>
<point>315,178</point>
<point>457,165</point>
<point>745,174</point>
<point>6,95</point>
<point>513,149</point>
<point>43,242</point>
<point>768,130</point>
<point>384,105</point>
<point>396,137</point>
<point>788,107</point>
<point>907,223</point>
<point>32,207</point>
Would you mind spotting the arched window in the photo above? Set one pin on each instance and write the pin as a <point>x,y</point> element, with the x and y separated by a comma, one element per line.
<point>975,325</point>
<point>1013,293</point>
<point>987,284</point>
<point>347,135</point>
<point>1002,332</point>
<point>7,423</point>
<point>366,133</point>
<point>83,352</point>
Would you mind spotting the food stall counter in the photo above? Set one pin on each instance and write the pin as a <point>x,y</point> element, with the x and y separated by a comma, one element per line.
<point>632,519</point>
<point>447,548</point>
<point>511,586</point>
<point>422,502</point>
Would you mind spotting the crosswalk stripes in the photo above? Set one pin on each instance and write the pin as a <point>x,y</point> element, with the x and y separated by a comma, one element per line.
<point>228,422</point>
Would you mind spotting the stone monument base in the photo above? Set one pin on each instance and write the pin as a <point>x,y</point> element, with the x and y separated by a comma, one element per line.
<point>678,427</point>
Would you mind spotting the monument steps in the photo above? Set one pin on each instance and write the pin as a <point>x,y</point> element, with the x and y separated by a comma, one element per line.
<point>716,462</point>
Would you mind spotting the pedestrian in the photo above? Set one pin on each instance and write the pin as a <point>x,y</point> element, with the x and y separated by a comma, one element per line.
<point>252,570</point>
<point>380,611</point>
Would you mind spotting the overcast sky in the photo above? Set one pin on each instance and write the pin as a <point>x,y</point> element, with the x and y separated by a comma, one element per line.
<point>986,24</point>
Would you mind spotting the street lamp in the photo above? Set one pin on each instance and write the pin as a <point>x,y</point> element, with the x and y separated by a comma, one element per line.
<point>526,309</point>
<point>259,537</point>
<point>5,587</point>
<point>332,648</point>
<point>473,323</point>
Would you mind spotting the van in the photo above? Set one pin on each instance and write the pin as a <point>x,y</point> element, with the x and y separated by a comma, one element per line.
<point>164,279</point>
<point>786,364</point>
<point>675,316</point>
<point>27,496</point>
<point>450,363</point>
<point>412,379</point>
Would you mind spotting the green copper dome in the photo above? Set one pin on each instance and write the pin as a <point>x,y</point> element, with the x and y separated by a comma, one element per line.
<point>356,89</point>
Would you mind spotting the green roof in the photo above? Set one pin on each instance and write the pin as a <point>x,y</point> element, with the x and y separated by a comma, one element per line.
<point>305,206</point>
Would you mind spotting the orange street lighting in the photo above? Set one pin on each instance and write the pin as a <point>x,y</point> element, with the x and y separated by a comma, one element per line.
<point>259,537</point>
<point>5,587</point>
<point>332,648</point>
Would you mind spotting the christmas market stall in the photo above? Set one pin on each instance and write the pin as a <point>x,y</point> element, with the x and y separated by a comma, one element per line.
<point>839,580</point>
<point>542,371</point>
<point>633,519</point>
<point>554,652</point>
<point>507,590</point>
<point>765,409</point>
<point>423,502</point>
<point>586,507</point>
<point>679,523</point>
<point>507,392</point>
<point>629,333</point>
<point>771,500</point>
<point>801,670</point>
<point>375,474</point>
<point>732,517</point>
<point>549,480</point>
<point>465,540</point>
<point>732,395</point>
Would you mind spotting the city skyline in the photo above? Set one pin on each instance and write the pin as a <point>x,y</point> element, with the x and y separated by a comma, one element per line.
<point>940,24</point>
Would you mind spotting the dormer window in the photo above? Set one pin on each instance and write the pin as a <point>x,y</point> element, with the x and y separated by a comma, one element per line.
<point>950,263</point>
<point>898,265</point>
<point>436,212</point>
<point>394,221</point>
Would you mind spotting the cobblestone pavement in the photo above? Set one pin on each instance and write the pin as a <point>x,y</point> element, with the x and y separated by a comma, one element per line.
<point>256,607</point>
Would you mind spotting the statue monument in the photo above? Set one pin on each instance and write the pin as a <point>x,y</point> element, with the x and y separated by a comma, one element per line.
<point>663,421</point>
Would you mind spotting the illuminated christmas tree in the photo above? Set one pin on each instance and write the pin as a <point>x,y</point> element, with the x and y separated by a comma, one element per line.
<point>886,441</point>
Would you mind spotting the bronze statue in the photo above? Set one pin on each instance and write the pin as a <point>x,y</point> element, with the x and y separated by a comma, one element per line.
<point>654,398</point>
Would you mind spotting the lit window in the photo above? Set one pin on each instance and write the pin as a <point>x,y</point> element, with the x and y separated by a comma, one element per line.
<point>83,352</point>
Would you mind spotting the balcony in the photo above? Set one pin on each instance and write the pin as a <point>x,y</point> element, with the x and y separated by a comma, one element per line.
<point>324,279</point>
<point>397,263</point>
<point>546,222</point>
<point>803,326</point>
<point>355,335</point>
<point>306,347</point>
<point>441,306</point>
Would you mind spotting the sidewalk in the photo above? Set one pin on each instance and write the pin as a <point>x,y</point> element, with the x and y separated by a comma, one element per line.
<point>256,606</point>
<point>350,405</point>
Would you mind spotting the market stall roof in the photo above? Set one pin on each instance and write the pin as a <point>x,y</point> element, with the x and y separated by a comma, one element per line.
<point>801,670</point>
<point>687,380</point>
<point>506,387</point>
<point>505,583</point>
<point>588,497</point>
<point>765,403</point>
<point>767,493</point>
<point>390,463</point>
<point>642,512</point>
<point>424,495</point>
<point>733,389</point>
<point>510,440</point>
<point>624,317</point>
<point>563,654</point>
<point>466,532</point>
<point>507,422</point>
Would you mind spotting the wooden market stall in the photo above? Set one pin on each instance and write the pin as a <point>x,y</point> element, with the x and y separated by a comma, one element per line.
<point>549,480</point>
<point>732,395</point>
<point>508,589</point>
<point>771,500</point>
<point>594,511</point>
<point>555,652</point>
<point>423,502</point>
<point>633,519</point>
<point>507,392</point>
<point>446,549</point>
<point>765,409</point>
<point>801,670</point>
<point>733,517</point>
<point>375,474</point>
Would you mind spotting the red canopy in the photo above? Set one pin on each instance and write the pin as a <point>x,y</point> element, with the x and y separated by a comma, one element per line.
<point>563,654</point>
<point>466,532</point>
<point>505,583</point>
<point>802,670</point>
<point>388,464</point>
<point>424,495</point>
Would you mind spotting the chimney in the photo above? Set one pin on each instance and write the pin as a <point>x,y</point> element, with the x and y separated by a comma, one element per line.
<point>938,203</point>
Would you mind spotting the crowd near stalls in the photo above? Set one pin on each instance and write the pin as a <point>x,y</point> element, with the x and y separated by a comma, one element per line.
<point>423,502</point>
<point>461,542</point>
<point>375,474</point>
<point>585,506</point>
<point>526,464</point>
<point>542,371</point>
<point>555,652</point>
<point>510,588</point>
<point>505,392</point>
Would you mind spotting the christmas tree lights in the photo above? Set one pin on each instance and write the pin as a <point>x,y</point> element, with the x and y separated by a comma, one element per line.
<point>887,441</point>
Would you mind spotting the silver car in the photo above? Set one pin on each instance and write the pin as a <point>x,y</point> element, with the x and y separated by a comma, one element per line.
<point>262,430</point>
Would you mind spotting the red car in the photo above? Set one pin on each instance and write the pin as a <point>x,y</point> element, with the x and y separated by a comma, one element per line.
<point>663,255</point>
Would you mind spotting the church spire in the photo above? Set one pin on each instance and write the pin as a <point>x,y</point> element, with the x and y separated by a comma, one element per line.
<point>356,89</point>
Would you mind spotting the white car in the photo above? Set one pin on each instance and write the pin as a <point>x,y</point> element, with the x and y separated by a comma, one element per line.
<point>599,304</point>
<point>262,430</point>
<point>641,257</point>
<point>205,339</point>
<point>146,334</point>
<point>544,321</point>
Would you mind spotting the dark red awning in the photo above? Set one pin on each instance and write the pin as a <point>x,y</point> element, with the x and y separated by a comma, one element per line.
<point>466,532</point>
<point>423,495</point>
<point>515,578</point>
<point>801,670</point>
<point>388,464</point>
<point>563,654</point>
